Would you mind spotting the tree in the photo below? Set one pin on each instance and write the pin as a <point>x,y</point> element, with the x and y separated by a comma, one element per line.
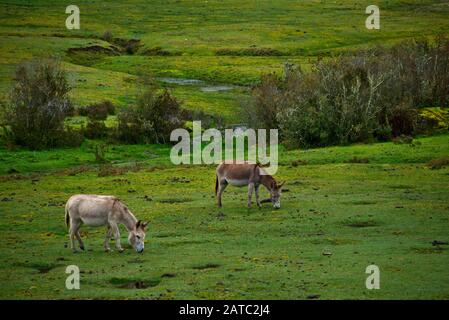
<point>39,103</point>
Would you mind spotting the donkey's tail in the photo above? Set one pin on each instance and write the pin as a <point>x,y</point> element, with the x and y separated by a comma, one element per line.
<point>67,218</point>
<point>216,184</point>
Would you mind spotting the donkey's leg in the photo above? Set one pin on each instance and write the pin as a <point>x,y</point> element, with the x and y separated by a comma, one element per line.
<point>78,236</point>
<point>250,193</point>
<point>116,232</point>
<point>221,187</point>
<point>108,237</point>
<point>74,226</point>
<point>256,188</point>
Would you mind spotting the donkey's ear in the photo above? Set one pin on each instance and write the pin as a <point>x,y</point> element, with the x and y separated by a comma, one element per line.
<point>144,224</point>
<point>138,224</point>
<point>281,184</point>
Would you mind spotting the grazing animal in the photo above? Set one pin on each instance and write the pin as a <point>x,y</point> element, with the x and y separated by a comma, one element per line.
<point>95,210</point>
<point>242,174</point>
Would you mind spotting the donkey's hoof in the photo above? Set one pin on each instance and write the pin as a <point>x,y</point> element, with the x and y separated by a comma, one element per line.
<point>107,250</point>
<point>82,248</point>
<point>120,250</point>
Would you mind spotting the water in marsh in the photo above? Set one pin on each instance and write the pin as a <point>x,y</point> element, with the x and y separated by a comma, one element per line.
<point>181,81</point>
<point>217,88</point>
<point>195,82</point>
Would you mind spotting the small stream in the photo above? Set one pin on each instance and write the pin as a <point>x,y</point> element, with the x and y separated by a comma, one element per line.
<point>204,87</point>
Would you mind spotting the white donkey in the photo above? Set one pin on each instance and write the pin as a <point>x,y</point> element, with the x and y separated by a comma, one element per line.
<point>94,210</point>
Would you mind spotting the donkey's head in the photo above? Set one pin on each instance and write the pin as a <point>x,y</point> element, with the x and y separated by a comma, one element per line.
<point>136,237</point>
<point>275,194</point>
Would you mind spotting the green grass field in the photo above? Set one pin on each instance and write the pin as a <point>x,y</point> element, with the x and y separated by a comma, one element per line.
<point>193,31</point>
<point>337,217</point>
<point>386,212</point>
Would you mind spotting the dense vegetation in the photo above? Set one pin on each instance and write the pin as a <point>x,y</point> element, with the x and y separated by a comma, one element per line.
<point>39,103</point>
<point>356,97</point>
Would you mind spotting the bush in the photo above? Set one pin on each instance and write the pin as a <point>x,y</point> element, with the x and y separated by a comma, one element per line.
<point>151,121</point>
<point>266,103</point>
<point>371,94</point>
<point>107,36</point>
<point>99,150</point>
<point>433,119</point>
<point>132,46</point>
<point>39,103</point>
<point>207,120</point>
<point>69,138</point>
<point>95,130</point>
<point>97,111</point>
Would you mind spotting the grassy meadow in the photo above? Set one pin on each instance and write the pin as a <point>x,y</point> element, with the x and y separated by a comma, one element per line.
<point>343,207</point>
<point>336,218</point>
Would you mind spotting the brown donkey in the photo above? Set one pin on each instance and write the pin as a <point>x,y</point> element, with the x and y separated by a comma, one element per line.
<point>94,210</point>
<point>242,174</point>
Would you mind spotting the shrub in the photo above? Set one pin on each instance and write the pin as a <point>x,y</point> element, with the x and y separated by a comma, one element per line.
<point>371,94</point>
<point>433,119</point>
<point>207,120</point>
<point>39,103</point>
<point>99,150</point>
<point>107,36</point>
<point>97,111</point>
<point>151,120</point>
<point>132,46</point>
<point>95,130</point>
<point>265,105</point>
<point>69,138</point>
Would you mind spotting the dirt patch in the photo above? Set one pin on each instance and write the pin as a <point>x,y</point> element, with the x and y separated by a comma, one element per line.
<point>361,224</point>
<point>206,266</point>
<point>12,171</point>
<point>158,51</point>
<point>332,241</point>
<point>40,267</point>
<point>111,51</point>
<point>438,163</point>
<point>361,202</point>
<point>74,171</point>
<point>356,159</point>
<point>179,180</point>
<point>168,275</point>
<point>253,51</point>
<point>183,243</point>
<point>124,283</point>
<point>109,170</point>
<point>435,249</point>
<point>90,55</point>
<point>298,162</point>
<point>400,186</point>
<point>174,200</point>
